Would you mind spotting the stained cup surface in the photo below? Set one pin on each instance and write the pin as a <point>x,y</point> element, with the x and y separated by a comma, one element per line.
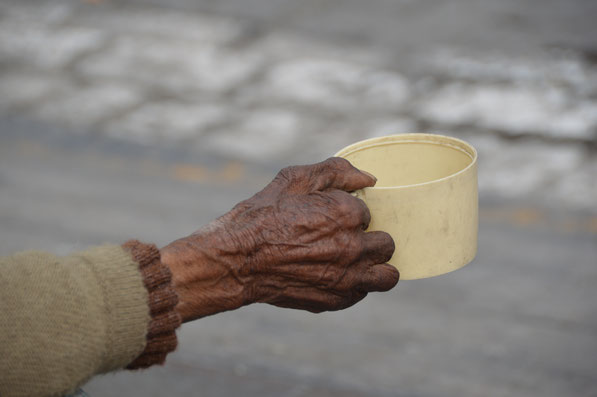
<point>425,198</point>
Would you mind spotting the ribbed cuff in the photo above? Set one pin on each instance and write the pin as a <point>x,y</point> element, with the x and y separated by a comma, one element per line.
<point>162,299</point>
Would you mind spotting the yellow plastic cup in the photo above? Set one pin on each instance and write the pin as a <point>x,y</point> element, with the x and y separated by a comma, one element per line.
<point>425,198</point>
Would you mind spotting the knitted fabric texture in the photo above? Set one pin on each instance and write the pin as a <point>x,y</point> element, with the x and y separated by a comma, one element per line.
<point>162,300</point>
<point>67,318</point>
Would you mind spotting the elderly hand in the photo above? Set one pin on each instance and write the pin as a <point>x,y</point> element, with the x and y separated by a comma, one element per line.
<point>299,243</point>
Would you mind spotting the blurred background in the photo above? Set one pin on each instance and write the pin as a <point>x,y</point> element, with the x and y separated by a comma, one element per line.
<point>148,118</point>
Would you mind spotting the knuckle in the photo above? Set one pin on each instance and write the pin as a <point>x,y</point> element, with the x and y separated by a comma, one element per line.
<point>329,277</point>
<point>287,173</point>
<point>354,278</point>
<point>355,211</point>
<point>365,213</point>
<point>356,248</point>
<point>347,204</point>
<point>348,248</point>
<point>292,176</point>
<point>326,172</point>
<point>338,163</point>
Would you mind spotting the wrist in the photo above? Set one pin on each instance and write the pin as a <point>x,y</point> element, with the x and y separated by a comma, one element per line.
<point>205,276</point>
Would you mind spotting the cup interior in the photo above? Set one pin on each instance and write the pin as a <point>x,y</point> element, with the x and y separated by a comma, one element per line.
<point>404,160</point>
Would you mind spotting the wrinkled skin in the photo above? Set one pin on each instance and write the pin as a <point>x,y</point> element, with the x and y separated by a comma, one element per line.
<point>299,243</point>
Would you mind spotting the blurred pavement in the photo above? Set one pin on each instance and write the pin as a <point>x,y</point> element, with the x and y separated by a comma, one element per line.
<point>521,320</point>
<point>302,81</point>
<point>147,119</point>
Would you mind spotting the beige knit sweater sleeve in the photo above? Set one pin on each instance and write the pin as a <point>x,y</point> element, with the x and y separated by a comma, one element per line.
<point>64,319</point>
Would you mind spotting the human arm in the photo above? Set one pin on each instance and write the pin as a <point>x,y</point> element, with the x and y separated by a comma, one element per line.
<point>299,243</point>
<point>66,318</point>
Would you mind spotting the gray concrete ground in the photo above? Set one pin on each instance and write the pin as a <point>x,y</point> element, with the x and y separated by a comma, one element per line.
<point>520,321</point>
<point>147,119</point>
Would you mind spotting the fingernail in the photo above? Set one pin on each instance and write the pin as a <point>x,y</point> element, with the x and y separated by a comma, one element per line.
<point>369,174</point>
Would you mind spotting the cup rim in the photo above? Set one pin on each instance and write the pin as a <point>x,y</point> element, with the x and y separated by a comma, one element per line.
<point>436,139</point>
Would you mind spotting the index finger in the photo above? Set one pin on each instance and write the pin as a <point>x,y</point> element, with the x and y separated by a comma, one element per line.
<point>339,173</point>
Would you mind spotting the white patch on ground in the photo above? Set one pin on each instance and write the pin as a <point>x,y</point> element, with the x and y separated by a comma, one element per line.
<point>336,85</point>
<point>515,110</point>
<point>565,68</point>
<point>85,106</point>
<point>177,66</point>
<point>46,48</point>
<point>553,95</point>
<point>268,133</point>
<point>511,170</point>
<point>166,121</point>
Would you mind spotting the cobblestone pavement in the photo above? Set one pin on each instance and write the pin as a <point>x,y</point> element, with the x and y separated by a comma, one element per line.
<point>262,93</point>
